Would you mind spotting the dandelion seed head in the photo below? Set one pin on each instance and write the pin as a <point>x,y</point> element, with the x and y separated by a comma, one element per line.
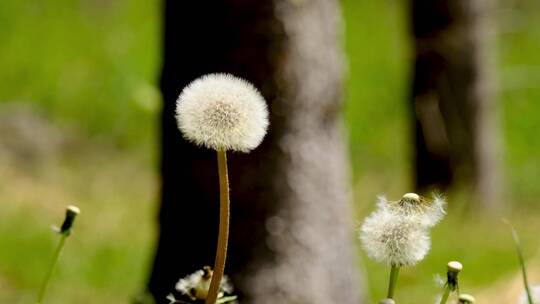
<point>196,285</point>
<point>389,239</point>
<point>221,111</point>
<point>397,233</point>
<point>535,292</point>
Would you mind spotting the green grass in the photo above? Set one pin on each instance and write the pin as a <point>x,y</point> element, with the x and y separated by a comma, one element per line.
<point>89,64</point>
<point>376,112</point>
<point>377,87</point>
<point>92,67</point>
<point>106,258</point>
<point>520,94</point>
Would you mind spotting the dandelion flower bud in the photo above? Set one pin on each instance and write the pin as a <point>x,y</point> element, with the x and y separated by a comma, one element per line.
<point>222,112</point>
<point>397,233</point>
<point>454,266</point>
<point>466,299</point>
<point>387,301</point>
<point>71,214</point>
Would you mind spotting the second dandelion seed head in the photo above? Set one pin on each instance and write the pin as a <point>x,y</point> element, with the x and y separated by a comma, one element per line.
<point>397,233</point>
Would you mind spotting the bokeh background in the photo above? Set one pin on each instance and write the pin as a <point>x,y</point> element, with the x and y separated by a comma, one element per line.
<point>79,109</point>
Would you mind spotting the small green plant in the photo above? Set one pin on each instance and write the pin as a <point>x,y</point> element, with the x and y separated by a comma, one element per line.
<point>64,231</point>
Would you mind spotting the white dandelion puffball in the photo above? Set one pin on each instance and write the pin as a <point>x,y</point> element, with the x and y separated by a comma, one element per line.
<point>389,239</point>
<point>197,284</point>
<point>397,233</point>
<point>221,111</point>
<point>535,292</point>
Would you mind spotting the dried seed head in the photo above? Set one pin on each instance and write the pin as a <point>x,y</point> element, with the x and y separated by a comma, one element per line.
<point>221,111</point>
<point>196,285</point>
<point>413,197</point>
<point>207,272</point>
<point>454,266</point>
<point>71,214</point>
<point>453,269</point>
<point>73,209</point>
<point>394,240</point>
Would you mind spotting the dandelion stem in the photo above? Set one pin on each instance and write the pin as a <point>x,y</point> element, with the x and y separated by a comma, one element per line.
<point>52,266</point>
<point>521,261</point>
<point>446,294</point>
<point>221,253</point>
<point>394,271</point>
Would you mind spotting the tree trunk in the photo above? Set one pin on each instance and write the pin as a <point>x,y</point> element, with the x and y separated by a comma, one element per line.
<point>291,226</point>
<point>452,98</point>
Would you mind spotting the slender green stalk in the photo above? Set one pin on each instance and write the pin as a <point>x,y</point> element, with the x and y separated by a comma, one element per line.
<point>394,271</point>
<point>223,236</point>
<point>446,294</point>
<point>65,231</point>
<point>521,261</point>
<point>454,268</point>
<point>52,266</point>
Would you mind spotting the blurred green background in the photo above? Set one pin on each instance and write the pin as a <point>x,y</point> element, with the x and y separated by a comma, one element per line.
<point>78,124</point>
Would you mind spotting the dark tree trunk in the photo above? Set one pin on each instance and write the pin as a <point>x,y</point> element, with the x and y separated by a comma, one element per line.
<point>291,239</point>
<point>452,97</point>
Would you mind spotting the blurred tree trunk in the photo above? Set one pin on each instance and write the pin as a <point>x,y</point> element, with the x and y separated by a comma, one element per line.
<point>291,239</point>
<point>452,97</point>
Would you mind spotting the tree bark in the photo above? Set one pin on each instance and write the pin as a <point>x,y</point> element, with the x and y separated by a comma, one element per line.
<point>452,98</point>
<point>291,226</point>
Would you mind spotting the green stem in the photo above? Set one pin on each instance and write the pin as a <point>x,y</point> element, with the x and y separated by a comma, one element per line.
<point>525,280</point>
<point>223,236</point>
<point>52,266</point>
<point>521,261</point>
<point>446,294</point>
<point>394,271</point>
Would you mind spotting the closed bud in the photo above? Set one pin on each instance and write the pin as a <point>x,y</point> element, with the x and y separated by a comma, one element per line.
<point>71,214</point>
<point>454,267</point>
